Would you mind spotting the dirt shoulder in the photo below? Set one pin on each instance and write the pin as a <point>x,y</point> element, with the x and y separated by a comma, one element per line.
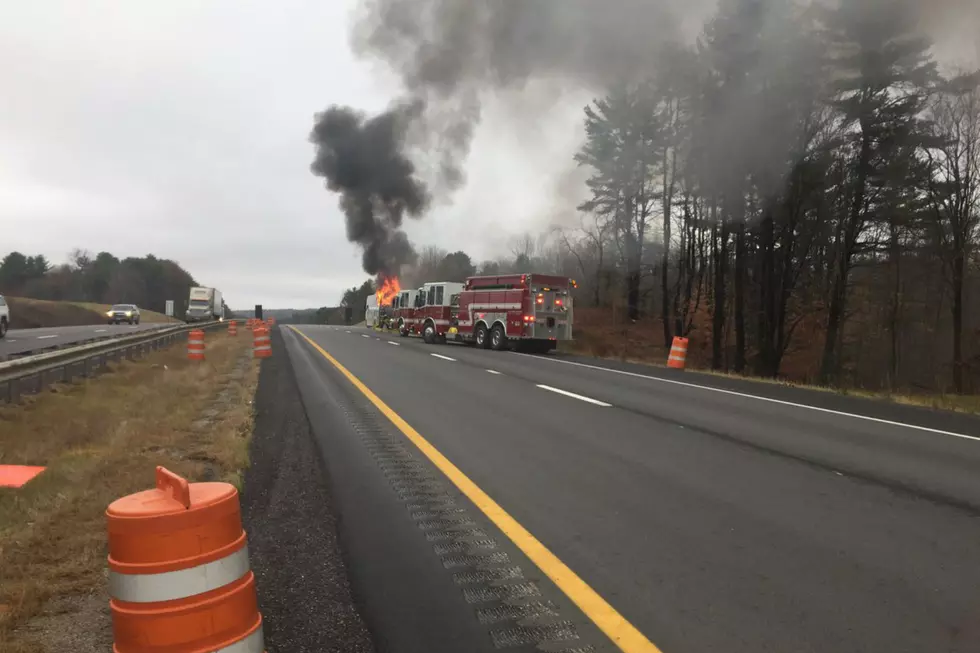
<point>304,594</point>
<point>100,440</point>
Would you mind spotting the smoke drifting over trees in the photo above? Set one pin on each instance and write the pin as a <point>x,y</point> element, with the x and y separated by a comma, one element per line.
<point>448,55</point>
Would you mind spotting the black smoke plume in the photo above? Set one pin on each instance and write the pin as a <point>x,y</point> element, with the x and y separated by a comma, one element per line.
<point>363,159</point>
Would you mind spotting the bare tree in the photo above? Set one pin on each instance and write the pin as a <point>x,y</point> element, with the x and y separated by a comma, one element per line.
<point>954,192</point>
<point>588,249</point>
<point>623,148</point>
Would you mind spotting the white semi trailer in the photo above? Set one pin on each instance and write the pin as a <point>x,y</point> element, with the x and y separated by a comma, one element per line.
<point>205,305</point>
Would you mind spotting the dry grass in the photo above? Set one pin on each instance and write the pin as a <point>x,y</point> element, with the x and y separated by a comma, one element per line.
<point>102,440</point>
<point>34,313</point>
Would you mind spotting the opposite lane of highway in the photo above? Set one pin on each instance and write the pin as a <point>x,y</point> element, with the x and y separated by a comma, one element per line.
<point>710,521</point>
<point>18,341</point>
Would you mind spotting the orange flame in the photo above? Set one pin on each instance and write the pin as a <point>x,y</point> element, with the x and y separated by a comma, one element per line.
<point>389,288</point>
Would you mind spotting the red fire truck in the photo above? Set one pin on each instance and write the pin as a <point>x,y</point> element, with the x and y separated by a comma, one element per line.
<point>532,312</point>
<point>427,311</point>
<point>404,308</point>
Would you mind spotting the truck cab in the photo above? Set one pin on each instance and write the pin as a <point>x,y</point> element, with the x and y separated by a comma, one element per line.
<point>404,311</point>
<point>433,309</point>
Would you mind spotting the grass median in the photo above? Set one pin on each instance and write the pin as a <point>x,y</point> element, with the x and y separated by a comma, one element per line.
<point>101,439</point>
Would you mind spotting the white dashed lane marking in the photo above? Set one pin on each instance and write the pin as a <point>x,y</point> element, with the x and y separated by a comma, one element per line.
<point>574,396</point>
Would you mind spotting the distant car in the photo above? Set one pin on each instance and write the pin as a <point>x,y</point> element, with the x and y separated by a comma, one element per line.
<point>4,317</point>
<point>120,313</point>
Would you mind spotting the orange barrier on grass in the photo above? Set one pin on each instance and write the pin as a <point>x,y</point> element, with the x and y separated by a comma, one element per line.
<point>179,574</point>
<point>195,345</point>
<point>262,345</point>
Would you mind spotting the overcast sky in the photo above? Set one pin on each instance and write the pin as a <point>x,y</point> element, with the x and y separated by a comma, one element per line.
<point>179,128</point>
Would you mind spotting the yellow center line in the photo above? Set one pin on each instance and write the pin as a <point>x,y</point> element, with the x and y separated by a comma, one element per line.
<point>614,625</point>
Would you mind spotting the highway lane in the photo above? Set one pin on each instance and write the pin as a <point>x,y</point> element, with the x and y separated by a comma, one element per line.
<point>18,341</point>
<point>710,521</point>
<point>913,456</point>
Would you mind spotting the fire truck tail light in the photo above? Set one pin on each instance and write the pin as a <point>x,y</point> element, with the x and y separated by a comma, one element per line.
<point>529,318</point>
<point>557,302</point>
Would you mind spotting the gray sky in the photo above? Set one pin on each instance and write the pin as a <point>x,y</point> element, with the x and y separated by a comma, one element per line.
<point>179,128</point>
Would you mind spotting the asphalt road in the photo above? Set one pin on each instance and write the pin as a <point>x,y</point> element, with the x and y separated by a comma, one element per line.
<point>713,514</point>
<point>20,341</point>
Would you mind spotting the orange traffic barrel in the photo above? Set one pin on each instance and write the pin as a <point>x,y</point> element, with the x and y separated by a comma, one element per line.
<point>179,575</point>
<point>232,328</point>
<point>677,358</point>
<point>195,345</point>
<point>262,346</point>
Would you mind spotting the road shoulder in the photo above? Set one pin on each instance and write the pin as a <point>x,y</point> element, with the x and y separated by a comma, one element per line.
<point>303,588</point>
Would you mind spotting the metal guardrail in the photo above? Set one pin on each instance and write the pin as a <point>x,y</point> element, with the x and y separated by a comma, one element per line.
<point>31,374</point>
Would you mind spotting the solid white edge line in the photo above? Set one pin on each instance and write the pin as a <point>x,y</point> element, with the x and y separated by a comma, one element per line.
<point>445,358</point>
<point>392,342</point>
<point>494,372</point>
<point>574,396</point>
<point>758,398</point>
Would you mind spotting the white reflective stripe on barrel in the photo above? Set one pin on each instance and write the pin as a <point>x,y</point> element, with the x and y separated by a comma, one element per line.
<point>254,643</point>
<point>170,585</point>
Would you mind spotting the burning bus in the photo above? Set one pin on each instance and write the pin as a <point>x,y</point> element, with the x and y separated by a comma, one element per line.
<point>386,299</point>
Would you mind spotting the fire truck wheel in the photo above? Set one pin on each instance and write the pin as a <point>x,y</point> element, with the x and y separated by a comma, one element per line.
<point>498,339</point>
<point>402,330</point>
<point>482,341</point>
<point>429,334</point>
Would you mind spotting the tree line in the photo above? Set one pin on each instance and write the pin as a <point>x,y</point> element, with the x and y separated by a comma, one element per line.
<point>146,281</point>
<point>799,165</point>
